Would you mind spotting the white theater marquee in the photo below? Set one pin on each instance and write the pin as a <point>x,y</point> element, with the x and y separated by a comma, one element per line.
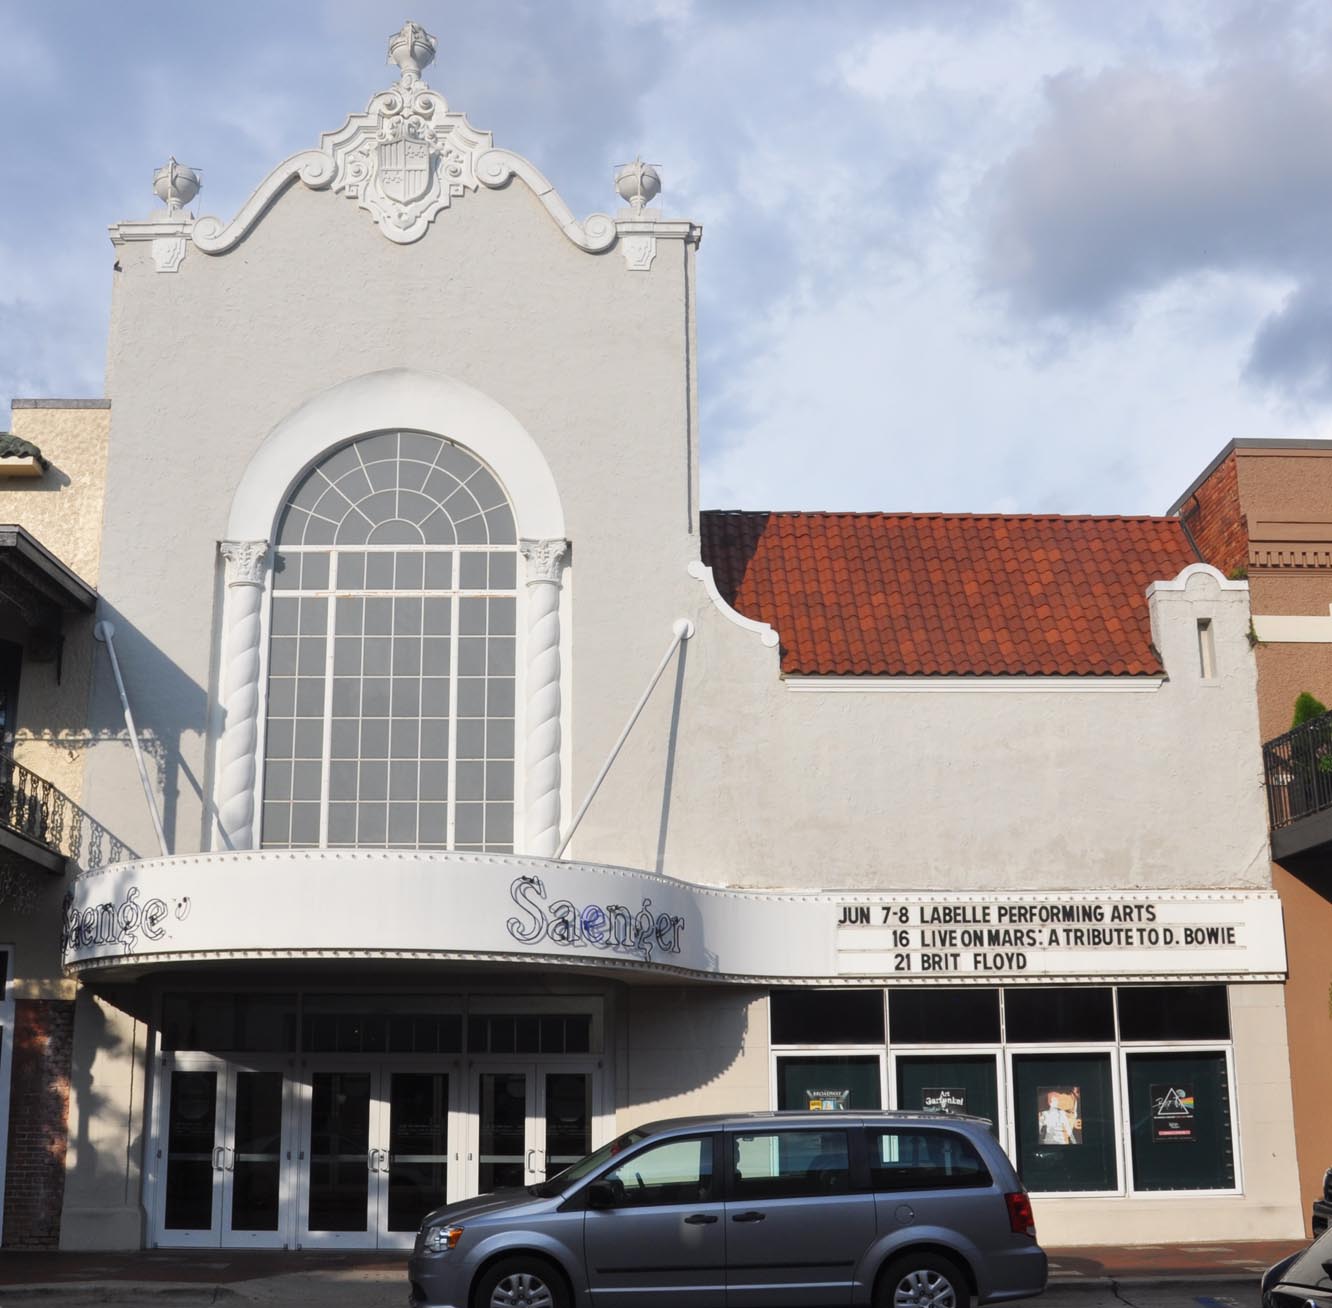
<point>330,903</point>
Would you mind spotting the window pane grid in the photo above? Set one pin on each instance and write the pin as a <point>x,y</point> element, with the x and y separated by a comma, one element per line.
<point>391,681</point>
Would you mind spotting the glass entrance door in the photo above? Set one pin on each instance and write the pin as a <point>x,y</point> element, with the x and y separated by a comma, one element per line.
<point>376,1154</point>
<point>529,1121</point>
<point>222,1155</point>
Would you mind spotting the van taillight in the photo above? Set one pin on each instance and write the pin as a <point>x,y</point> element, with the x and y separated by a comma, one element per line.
<point>1020,1216</point>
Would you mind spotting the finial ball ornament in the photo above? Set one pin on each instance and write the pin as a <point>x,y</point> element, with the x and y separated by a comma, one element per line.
<point>176,184</point>
<point>412,48</point>
<point>637,183</point>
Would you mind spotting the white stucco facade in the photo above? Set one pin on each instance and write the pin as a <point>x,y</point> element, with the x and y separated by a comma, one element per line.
<point>752,815</point>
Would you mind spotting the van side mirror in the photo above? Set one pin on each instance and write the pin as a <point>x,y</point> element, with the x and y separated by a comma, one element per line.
<point>600,1195</point>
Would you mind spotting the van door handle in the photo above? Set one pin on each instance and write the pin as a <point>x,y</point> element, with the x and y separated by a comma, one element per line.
<point>700,1219</point>
<point>748,1217</point>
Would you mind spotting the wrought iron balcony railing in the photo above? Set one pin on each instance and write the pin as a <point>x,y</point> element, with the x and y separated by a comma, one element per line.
<point>1298,769</point>
<point>31,806</point>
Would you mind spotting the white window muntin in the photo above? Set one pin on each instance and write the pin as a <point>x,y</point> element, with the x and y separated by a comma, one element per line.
<point>455,594</point>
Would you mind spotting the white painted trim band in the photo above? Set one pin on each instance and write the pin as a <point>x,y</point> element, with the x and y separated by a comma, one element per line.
<point>969,685</point>
<point>1292,629</point>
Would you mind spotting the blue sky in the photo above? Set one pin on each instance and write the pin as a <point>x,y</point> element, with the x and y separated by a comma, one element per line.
<point>958,254</point>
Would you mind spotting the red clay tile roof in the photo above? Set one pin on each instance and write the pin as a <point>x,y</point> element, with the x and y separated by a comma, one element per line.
<point>899,594</point>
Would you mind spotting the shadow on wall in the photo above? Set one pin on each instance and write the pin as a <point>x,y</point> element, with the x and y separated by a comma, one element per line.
<point>167,705</point>
<point>105,1146</point>
<point>686,1050</point>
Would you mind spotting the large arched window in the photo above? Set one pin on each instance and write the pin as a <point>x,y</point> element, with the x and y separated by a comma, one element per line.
<point>391,653</point>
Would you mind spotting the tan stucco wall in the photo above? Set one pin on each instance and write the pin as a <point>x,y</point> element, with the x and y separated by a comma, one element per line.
<point>691,1050</point>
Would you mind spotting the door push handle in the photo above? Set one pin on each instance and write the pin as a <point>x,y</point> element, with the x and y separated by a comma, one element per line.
<point>218,1154</point>
<point>229,1159</point>
<point>700,1219</point>
<point>372,1160</point>
<point>748,1217</point>
<point>531,1166</point>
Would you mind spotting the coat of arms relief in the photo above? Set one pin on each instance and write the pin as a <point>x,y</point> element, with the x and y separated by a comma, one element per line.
<point>407,157</point>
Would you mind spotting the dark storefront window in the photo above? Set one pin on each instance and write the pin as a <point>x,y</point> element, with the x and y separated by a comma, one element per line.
<point>1059,1014</point>
<point>943,1017</point>
<point>963,1083</point>
<point>1064,1121</point>
<point>1173,1013</point>
<point>827,1017</point>
<point>1179,1105</point>
<point>829,1083</point>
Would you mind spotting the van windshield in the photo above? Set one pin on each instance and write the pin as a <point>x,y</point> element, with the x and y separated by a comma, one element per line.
<point>586,1166</point>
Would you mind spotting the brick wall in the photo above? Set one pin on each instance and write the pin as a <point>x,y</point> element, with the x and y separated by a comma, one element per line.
<point>38,1116</point>
<point>1215,521</point>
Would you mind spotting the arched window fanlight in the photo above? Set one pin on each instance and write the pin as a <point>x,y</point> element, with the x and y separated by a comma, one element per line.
<point>391,689</point>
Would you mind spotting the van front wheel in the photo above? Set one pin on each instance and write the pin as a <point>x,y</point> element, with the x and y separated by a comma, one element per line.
<point>521,1282</point>
<point>923,1280</point>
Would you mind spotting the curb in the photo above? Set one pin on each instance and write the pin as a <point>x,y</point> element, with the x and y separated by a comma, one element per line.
<point>120,1291</point>
<point>1147,1281</point>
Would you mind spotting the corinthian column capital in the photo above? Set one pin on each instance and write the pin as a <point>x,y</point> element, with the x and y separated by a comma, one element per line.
<point>245,561</point>
<point>545,559</point>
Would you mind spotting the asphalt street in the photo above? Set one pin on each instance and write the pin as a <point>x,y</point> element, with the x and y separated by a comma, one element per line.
<point>386,1289</point>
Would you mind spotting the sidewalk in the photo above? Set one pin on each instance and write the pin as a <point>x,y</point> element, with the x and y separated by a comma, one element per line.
<point>281,1277</point>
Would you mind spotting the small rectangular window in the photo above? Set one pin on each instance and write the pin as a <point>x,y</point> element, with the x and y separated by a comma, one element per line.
<point>789,1164</point>
<point>924,1160</point>
<point>1206,649</point>
<point>1058,1014</point>
<point>1173,1013</point>
<point>827,1017</point>
<point>943,1017</point>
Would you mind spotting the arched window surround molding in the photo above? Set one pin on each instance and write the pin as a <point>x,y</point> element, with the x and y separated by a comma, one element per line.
<point>405,400</point>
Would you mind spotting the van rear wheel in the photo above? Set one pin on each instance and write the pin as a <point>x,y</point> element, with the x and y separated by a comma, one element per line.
<point>923,1280</point>
<point>521,1282</point>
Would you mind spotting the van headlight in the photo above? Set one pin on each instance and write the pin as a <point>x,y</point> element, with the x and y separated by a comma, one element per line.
<point>440,1239</point>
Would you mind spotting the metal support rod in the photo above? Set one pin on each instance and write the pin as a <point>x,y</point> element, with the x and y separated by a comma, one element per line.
<point>105,632</point>
<point>683,629</point>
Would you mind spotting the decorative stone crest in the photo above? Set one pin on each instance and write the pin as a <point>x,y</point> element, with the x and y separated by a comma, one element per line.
<point>544,558</point>
<point>407,157</point>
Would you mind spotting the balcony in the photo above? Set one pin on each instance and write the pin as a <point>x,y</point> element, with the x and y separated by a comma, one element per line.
<point>1298,772</point>
<point>48,829</point>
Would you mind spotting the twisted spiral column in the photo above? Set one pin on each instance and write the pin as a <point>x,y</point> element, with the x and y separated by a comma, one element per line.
<point>541,752</point>
<point>245,561</point>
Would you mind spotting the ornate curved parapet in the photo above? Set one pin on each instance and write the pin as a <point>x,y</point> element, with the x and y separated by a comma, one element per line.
<point>405,160</point>
<point>497,167</point>
<point>313,167</point>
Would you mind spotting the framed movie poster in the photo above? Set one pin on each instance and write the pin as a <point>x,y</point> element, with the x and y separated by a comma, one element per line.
<point>1059,1115</point>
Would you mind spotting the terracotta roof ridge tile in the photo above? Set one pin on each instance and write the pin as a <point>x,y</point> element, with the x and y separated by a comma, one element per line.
<point>941,515</point>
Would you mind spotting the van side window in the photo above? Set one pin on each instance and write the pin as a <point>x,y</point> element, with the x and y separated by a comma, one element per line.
<point>915,1159</point>
<point>673,1172</point>
<point>788,1164</point>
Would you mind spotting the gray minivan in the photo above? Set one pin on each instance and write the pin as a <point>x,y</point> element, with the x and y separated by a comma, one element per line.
<point>756,1210</point>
